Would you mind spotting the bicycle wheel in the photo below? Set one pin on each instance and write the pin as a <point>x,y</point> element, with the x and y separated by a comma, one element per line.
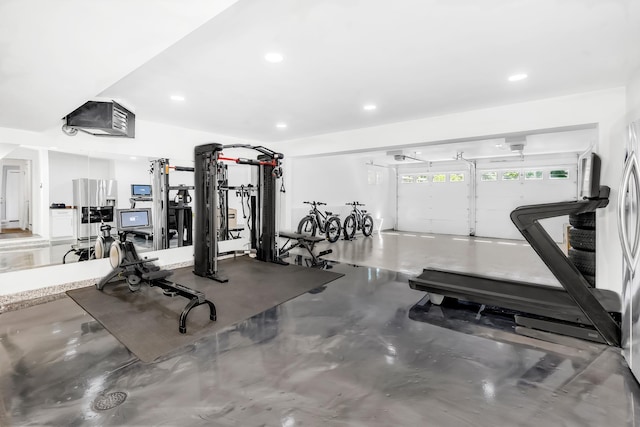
<point>333,229</point>
<point>367,225</point>
<point>307,226</point>
<point>349,227</point>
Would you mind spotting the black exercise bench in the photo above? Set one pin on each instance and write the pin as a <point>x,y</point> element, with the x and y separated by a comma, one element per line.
<point>306,241</point>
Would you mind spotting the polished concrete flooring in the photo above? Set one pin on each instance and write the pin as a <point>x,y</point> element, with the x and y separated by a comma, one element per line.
<point>411,252</point>
<point>354,353</point>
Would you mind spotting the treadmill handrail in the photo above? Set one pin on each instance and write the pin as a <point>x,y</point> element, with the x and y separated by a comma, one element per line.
<point>526,219</point>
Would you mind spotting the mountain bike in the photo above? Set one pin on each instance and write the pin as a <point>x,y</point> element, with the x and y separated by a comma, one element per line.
<point>358,219</point>
<point>327,223</point>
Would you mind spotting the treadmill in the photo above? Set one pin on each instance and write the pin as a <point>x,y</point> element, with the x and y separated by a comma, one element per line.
<point>576,310</point>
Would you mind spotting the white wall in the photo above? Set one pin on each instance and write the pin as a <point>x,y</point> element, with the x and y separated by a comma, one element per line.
<point>65,167</point>
<point>128,172</point>
<point>633,97</point>
<point>336,180</point>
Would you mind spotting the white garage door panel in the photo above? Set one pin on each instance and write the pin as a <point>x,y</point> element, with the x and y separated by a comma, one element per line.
<point>433,207</point>
<point>496,200</point>
<point>452,226</point>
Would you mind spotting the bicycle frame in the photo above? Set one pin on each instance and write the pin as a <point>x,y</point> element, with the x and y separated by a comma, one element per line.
<point>321,220</point>
<point>359,217</point>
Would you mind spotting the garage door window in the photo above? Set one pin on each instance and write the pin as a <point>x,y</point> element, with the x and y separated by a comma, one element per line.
<point>533,175</point>
<point>489,176</point>
<point>440,177</point>
<point>456,177</point>
<point>407,179</point>
<point>510,176</point>
<point>421,179</point>
<point>559,174</point>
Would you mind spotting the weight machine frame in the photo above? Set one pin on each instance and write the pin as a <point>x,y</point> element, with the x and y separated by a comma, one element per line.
<point>207,190</point>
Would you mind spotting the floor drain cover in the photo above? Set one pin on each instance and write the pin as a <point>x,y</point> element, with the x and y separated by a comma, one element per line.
<point>109,401</point>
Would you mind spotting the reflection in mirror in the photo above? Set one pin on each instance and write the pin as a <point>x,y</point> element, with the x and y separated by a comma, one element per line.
<point>70,194</point>
<point>43,178</point>
<point>21,207</point>
<point>58,202</point>
<point>238,197</point>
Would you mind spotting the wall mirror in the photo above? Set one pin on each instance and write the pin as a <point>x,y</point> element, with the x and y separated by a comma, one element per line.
<point>45,218</point>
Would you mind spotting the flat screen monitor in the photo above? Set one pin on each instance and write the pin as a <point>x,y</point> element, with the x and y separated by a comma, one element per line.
<point>590,170</point>
<point>129,219</point>
<point>140,190</point>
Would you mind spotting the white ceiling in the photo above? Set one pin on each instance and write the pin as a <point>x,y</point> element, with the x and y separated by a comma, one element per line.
<point>413,58</point>
<point>56,55</point>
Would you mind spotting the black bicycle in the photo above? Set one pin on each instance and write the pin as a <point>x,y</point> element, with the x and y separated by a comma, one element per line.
<point>328,223</point>
<point>358,219</point>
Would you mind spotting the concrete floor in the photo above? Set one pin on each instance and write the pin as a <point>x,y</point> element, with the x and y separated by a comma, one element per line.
<point>411,252</point>
<point>355,354</point>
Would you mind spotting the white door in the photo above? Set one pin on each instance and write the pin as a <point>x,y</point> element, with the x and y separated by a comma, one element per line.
<point>13,195</point>
<point>434,202</point>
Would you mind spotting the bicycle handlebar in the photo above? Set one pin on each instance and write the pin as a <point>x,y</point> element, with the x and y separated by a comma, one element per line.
<point>354,204</point>
<point>314,203</point>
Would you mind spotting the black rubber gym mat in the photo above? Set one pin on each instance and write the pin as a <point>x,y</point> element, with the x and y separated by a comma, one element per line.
<point>146,322</point>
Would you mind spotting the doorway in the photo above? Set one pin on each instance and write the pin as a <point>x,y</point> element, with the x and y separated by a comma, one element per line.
<point>15,198</point>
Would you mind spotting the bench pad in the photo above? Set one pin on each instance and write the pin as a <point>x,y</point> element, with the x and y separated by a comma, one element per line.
<point>298,236</point>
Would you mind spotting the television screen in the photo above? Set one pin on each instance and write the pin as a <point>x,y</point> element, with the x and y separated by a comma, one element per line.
<point>140,190</point>
<point>134,218</point>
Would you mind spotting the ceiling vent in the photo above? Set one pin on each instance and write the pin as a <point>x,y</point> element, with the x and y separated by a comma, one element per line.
<point>101,119</point>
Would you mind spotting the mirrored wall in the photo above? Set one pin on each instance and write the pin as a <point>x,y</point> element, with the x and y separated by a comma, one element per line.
<point>54,202</point>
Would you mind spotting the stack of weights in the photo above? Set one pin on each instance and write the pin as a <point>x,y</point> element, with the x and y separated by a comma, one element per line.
<point>582,239</point>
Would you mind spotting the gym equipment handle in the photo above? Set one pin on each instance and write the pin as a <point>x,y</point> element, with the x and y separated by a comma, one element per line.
<point>355,204</point>
<point>314,203</point>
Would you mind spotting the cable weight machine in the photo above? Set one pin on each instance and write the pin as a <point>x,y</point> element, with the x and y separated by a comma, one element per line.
<point>163,208</point>
<point>210,180</point>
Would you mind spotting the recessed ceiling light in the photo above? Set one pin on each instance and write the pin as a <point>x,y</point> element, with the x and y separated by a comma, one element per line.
<point>133,158</point>
<point>517,77</point>
<point>177,97</point>
<point>281,125</point>
<point>369,107</point>
<point>274,57</point>
<point>418,152</point>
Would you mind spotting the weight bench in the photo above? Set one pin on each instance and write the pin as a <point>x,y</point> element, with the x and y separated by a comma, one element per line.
<point>134,270</point>
<point>306,241</point>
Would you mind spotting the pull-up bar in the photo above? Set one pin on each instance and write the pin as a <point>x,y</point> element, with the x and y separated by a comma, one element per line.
<point>242,161</point>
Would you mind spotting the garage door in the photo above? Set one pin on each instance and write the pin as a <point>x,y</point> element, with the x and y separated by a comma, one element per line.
<point>434,202</point>
<point>499,191</point>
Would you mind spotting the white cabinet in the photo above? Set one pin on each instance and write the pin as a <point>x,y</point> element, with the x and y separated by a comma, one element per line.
<point>61,222</point>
